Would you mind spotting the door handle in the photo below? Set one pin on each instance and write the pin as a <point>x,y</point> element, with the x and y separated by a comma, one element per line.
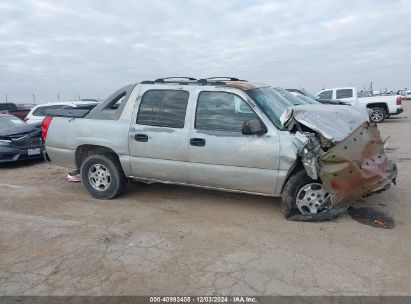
<point>141,137</point>
<point>199,142</point>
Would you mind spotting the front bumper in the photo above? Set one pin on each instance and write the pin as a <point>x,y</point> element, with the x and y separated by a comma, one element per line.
<point>12,154</point>
<point>357,166</point>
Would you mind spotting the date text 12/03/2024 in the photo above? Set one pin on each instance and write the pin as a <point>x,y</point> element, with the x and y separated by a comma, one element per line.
<point>203,299</point>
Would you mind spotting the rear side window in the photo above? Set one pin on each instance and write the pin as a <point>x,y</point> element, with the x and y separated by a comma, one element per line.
<point>41,111</point>
<point>117,101</point>
<point>222,111</point>
<point>326,95</point>
<point>163,108</point>
<point>344,93</point>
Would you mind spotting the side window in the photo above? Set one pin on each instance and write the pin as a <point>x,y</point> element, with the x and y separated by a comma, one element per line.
<point>326,95</point>
<point>163,108</point>
<point>118,101</point>
<point>344,93</point>
<point>222,111</point>
<point>115,103</point>
<point>40,111</point>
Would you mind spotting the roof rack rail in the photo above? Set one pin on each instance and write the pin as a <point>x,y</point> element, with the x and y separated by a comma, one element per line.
<point>161,80</point>
<point>190,80</point>
<point>228,78</point>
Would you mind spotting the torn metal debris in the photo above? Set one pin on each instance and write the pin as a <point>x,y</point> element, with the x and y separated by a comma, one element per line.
<point>74,176</point>
<point>372,217</point>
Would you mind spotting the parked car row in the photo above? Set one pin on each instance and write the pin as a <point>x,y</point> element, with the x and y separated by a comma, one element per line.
<point>13,109</point>
<point>18,140</point>
<point>21,139</point>
<point>226,134</point>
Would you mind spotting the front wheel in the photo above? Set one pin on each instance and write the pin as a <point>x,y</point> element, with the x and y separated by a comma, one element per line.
<point>304,196</point>
<point>378,114</point>
<point>102,176</point>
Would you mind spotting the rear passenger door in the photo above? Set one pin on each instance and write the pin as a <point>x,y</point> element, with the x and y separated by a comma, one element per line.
<point>221,156</point>
<point>158,139</point>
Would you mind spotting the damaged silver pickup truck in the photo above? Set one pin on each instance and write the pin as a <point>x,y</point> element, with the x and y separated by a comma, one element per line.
<point>224,134</point>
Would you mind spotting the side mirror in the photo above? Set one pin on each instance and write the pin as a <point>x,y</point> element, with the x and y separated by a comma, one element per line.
<point>254,127</point>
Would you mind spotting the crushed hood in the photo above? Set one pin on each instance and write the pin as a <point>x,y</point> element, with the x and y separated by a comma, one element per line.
<point>334,122</point>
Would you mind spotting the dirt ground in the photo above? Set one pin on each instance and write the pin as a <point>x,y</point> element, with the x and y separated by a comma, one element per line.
<point>173,240</point>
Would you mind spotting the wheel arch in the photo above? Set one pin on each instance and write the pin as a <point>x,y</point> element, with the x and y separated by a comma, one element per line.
<point>379,105</point>
<point>296,167</point>
<point>83,151</point>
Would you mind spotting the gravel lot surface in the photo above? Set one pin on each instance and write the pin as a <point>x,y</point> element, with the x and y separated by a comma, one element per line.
<point>173,240</point>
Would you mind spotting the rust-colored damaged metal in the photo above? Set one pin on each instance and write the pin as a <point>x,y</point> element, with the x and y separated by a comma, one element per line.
<point>356,165</point>
<point>243,85</point>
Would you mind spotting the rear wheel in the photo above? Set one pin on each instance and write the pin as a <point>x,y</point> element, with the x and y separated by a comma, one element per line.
<point>102,176</point>
<point>378,114</point>
<point>303,195</point>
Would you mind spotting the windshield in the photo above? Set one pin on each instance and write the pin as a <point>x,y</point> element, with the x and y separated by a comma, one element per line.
<point>7,122</point>
<point>290,97</point>
<point>307,99</point>
<point>270,102</point>
<point>308,94</point>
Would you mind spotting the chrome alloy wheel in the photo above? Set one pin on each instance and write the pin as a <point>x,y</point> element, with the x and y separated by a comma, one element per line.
<point>313,198</point>
<point>99,177</point>
<point>377,115</point>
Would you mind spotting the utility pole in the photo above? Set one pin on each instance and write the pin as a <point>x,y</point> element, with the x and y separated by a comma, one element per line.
<point>34,99</point>
<point>58,96</point>
<point>6,98</point>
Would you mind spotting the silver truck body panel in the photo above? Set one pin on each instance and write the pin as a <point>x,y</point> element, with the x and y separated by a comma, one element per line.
<point>229,161</point>
<point>62,143</point>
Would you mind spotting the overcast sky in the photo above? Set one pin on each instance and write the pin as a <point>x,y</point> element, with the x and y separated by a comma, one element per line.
<point>91,48</point>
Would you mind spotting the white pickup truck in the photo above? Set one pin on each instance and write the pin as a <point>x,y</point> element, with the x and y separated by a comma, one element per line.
<point>382,106</point>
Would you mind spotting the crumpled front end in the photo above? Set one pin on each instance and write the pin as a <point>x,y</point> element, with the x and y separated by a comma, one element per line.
<point>357,166</point>
<point>339,145</point>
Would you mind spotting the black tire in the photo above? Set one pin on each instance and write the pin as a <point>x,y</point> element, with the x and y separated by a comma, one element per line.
<point>288,198</point>
<point>378,114</point>
<point>117,179</point>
